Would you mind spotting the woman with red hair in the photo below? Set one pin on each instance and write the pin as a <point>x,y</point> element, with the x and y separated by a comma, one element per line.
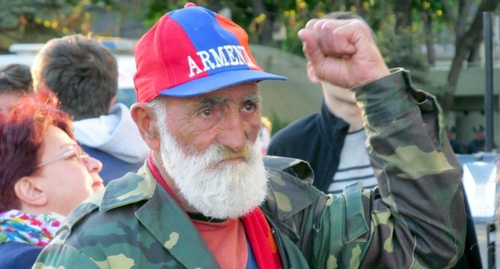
<point>44,174</point>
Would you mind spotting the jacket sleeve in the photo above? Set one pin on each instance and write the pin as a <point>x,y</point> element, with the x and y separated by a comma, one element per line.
<point>416,217</point>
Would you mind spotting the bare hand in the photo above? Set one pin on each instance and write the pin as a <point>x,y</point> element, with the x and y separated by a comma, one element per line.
<point>342,52</point>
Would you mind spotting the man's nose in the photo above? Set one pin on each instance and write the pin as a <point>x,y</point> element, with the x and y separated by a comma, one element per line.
<point>232,132</point>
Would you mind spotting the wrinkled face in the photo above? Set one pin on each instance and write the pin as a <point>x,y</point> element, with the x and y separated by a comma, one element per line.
<point>7,100</point>
<point>209,148</point>
<point>68,180</point>
<point>229,116</point>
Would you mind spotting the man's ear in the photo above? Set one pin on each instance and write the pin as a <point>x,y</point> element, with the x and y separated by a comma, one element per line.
<point>29,193</point>
<point>311,74</point>
<point>112,102</point>
<point>145,119</point>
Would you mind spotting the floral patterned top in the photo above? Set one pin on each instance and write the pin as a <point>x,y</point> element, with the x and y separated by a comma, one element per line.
<point>21,227</point>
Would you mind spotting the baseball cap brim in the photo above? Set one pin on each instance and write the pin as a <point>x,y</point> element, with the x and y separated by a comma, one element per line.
<point>218,81</point>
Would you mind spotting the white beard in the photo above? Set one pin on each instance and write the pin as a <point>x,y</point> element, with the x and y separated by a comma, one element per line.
<point>218,190</point>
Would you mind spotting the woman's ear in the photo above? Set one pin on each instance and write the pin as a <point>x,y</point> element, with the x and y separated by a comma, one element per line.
<point>29,193</point>
<point>145,120</point>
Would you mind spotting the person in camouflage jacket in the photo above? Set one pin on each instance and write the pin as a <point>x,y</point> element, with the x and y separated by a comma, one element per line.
<point>414,219</point>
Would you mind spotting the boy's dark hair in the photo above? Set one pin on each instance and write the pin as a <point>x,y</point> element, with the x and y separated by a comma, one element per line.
<point>81,71</point>
<point>15,78</point>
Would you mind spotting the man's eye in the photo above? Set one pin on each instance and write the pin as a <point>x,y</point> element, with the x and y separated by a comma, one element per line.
<point>249,106</point>
<point>206,112</point>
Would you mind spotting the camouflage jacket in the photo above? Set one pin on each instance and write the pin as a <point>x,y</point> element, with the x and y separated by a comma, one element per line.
<point>415,219</point>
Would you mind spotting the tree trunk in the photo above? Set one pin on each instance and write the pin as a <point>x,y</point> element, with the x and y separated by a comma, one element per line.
<point>402,10</point>
<point>463,45</point>
<point>474,58</point>
<point>464,7</point>
<point>429,39</point>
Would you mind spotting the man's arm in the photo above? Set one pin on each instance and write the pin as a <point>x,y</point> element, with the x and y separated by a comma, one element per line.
<point>417,216</point>
<point>419,176</point>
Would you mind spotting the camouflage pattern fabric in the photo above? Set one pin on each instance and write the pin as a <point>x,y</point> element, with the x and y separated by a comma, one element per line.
<point>414,219</point>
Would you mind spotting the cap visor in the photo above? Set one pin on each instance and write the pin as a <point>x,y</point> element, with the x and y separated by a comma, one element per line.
<point>218,81</point>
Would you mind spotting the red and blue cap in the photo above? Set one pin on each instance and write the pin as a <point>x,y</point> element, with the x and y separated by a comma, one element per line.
<point>192,51</point>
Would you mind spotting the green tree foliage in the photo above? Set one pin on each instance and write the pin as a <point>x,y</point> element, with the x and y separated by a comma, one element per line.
<point>15,13</point>
<point>26,19</point>
<point>156,9</point>
<point>466,38</point>
<point>403,50</point>
<point>36,21</point>
<point>402,27</point>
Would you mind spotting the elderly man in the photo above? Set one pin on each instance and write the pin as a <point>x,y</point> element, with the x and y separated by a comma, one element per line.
<point>204,199</point>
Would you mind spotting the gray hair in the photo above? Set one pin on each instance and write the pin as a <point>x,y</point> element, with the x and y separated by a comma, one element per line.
<point>159,107</point>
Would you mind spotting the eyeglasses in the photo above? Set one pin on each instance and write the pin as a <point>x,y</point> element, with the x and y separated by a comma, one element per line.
<point>75,150</point>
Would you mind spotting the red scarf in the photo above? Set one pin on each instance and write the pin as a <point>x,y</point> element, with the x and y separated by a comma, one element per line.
<point>261,239</point>
<point>257,229</point>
